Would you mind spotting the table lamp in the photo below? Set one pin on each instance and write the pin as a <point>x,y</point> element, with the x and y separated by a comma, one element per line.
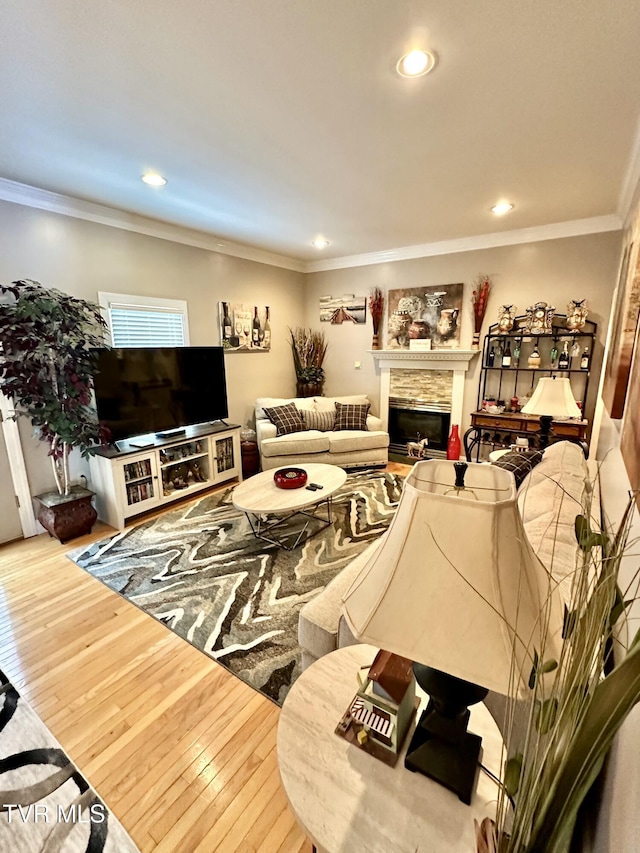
<point>553,396</point>
<point>456,588</point>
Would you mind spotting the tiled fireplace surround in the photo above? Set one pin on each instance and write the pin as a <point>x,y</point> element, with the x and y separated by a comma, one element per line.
<point>426,384</point>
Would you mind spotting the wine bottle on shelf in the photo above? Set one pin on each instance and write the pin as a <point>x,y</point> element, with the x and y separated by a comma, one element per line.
<point>255,330</point>
<point>491,358</point>
<point>267,331</point>
<point>227,330</point>
<point>553,355</point>
<point>534,358</point>
<point>516,352</point>
<point>506,355</point>
<point>584,361</point>
<point>563,361</point>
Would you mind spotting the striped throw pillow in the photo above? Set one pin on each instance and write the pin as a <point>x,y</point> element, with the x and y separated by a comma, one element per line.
<point>324,421</point>
<point>349,416</point>
<point>287,418</point>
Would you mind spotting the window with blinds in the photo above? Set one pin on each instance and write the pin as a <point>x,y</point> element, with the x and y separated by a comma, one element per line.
<point>145,322</point>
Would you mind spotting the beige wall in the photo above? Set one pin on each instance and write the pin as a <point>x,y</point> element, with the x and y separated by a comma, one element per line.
<point>83,258</point>
<point>554,271</point>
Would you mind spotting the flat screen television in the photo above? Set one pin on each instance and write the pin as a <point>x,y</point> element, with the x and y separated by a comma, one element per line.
<point>158,389</point>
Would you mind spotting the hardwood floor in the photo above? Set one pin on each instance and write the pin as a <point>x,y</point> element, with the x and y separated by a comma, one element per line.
<point>180,750</point>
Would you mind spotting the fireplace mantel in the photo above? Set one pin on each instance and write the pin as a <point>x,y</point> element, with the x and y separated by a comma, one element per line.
<point>439,359</point>
<point>456,360</point>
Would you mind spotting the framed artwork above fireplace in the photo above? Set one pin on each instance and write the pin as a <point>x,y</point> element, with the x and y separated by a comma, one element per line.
<point>425,313</point>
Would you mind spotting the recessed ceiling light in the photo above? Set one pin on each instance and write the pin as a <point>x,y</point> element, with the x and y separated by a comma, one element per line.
<point>416,63</point>
<point>501,208</point>
<point>320,243</point>
<point>153,179</point>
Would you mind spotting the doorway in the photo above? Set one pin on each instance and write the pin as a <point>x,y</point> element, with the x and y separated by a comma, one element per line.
<point>17,518</point>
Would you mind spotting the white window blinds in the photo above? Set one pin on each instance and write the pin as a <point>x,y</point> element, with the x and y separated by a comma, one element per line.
<point>145,321</point>
<point>141,327</point>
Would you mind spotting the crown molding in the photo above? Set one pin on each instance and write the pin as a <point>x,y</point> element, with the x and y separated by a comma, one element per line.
<point>631,182</point>
<point>29,196</point>
<point>574,228</point>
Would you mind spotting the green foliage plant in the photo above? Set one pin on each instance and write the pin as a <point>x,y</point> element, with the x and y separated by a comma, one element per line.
<point>576,703</point>
<point>47,366</point>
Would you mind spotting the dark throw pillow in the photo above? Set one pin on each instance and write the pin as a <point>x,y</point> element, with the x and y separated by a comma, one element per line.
<point>323,421</point>
<point>519,463</point>
<point>287,418</point>
<point>351,416</point>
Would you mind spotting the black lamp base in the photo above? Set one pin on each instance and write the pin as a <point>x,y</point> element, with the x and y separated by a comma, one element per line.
<point>441,747</point>
<point>453,764</point>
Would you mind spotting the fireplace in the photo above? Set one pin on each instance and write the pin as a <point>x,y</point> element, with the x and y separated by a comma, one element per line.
<point>411,421</point>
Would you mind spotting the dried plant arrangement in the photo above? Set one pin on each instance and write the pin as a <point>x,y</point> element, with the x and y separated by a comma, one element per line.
<point>309,349</point>
<point>576,702</point>
<point>479,298</point>
<point>376,309</point>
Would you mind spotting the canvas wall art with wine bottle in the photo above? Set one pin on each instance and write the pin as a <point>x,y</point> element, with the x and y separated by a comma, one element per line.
<point>244,328</point>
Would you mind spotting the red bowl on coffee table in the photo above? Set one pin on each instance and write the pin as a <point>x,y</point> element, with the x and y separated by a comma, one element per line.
<point>290,478</point>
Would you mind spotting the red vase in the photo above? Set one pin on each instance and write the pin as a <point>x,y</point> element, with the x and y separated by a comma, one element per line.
<point>453,444</point>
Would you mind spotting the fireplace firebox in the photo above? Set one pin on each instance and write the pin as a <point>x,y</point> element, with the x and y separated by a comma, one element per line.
<point>411,421</point>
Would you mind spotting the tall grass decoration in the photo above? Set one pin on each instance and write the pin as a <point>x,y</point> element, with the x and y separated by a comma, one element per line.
<point>576,703</point>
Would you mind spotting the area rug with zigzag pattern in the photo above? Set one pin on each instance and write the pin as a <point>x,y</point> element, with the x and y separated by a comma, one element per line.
<point>200,570</point>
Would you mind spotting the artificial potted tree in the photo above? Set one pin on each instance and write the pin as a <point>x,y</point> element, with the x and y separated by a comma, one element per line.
<point>46,370</point>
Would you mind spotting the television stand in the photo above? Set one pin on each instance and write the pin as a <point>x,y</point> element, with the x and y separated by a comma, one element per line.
<point>148,475</point>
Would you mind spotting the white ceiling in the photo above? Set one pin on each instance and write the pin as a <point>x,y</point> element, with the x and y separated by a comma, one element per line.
<point>277,120</point>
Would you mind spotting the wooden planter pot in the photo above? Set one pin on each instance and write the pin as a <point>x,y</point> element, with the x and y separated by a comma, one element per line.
<point>309,389</point>
<point>67,516</point>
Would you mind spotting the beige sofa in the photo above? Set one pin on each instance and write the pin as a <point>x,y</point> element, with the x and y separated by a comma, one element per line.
<point>350,448</point>
<point>549,498</point>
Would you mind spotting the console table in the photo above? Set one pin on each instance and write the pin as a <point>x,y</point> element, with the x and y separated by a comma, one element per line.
<point>345,799</point>
<point>508,424</point>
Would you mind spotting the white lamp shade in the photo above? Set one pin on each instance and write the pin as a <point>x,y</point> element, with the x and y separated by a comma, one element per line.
<point>455,584</point>
<point>553,397</point>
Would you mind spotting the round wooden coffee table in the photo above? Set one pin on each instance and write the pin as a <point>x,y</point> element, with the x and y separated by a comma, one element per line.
<point>274,513</point>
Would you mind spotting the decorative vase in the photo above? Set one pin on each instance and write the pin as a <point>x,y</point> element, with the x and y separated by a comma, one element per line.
<point>67,516</point>
<point>375,341</point>
<point>577,311</point>
<point>453,444</point>
<point>506,318</point>
<point>475,343</point>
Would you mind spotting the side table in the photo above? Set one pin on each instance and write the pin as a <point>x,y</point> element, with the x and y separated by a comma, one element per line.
<point>346,800</point>
<point>250,458</point>
<point>506,425</point>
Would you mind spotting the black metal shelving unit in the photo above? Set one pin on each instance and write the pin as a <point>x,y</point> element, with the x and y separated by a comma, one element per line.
<point>503,383</point>
<point>490,430</point>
